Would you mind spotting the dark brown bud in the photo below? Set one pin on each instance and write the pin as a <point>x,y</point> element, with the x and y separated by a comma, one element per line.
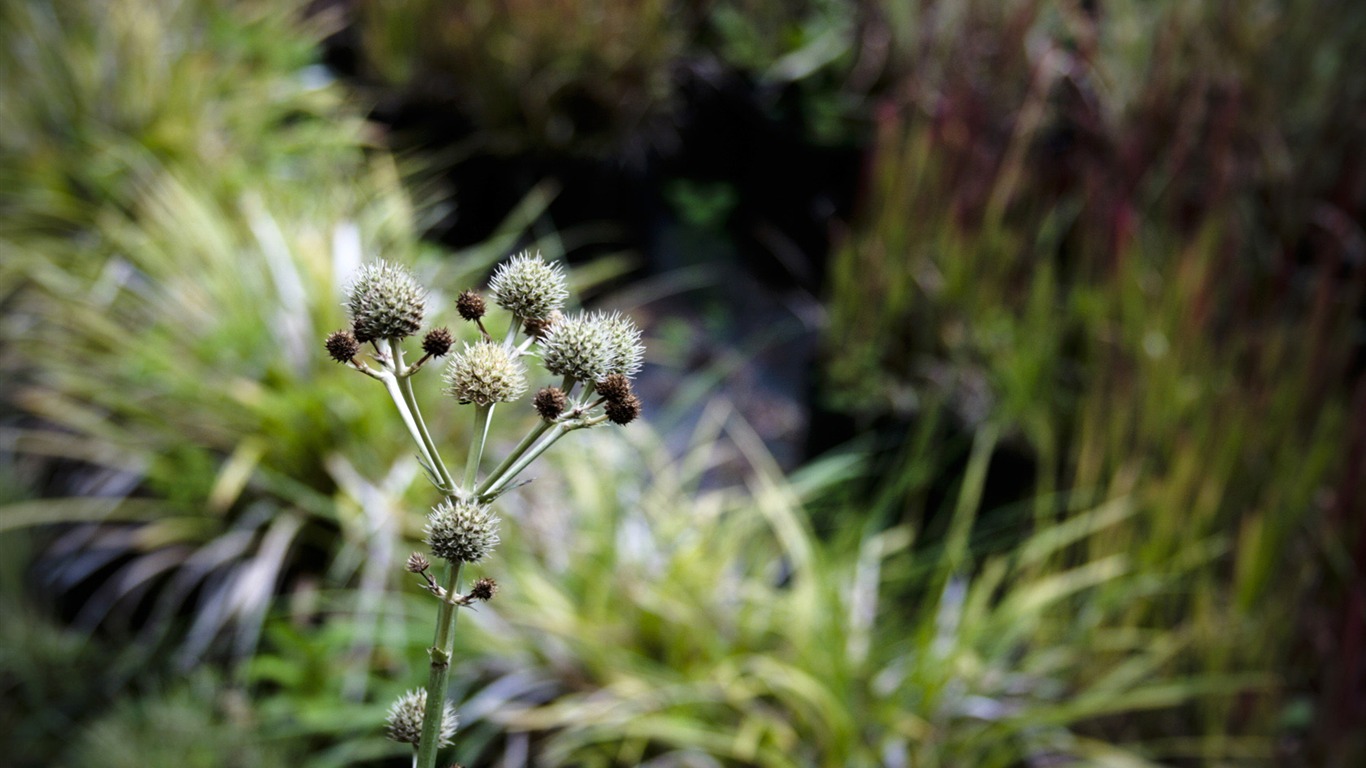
<point>417,563</point>
<point>537,326</point>
<point>623,411</point>
<point>483,589</point>
<point>437,342</point>
<point>342,346</point>
<point>550,402</point>
<point>615,388</point>
<point>470,305</point>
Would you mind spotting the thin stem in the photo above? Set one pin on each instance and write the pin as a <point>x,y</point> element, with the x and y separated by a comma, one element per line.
<point>512,457</point>
<point>483,416</point>
<point>391,384</point>
<point>441,651</point>
<point>561,430</point>
<point>422,435</point>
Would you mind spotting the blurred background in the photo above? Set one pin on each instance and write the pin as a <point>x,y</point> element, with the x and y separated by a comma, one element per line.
<point>1005,399</point>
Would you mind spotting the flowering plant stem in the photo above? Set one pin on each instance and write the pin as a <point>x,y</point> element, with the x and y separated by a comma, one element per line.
<point>398,383</point>
<point>443,647</point>
<point>593,350</point>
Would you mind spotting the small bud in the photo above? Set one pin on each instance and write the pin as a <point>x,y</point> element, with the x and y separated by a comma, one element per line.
<point>550,402</point>
<point>485,373</point>
<point>470,305</point>
<point>579,347</point>
<point>404,721</point>
<point>342,346</point>
<point>537,326</point>
<point>461,531</point>
<point>623,411</point>
<point>385,302</point>
<point>484,589</point>
<point>623,336</point>
<point>615,387</point>
<point>527,287</point>
<point>417,563</point>
<point>437,342</point>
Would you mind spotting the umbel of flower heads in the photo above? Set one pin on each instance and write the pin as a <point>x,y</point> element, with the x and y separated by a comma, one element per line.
<point>594,356</point>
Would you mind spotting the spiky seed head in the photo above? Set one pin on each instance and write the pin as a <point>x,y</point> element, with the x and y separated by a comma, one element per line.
<point>528,287</point>
<point>437,342</point>
<point>461,531</point>
<point>342,346</point>
<point>486,373</point>
<point>614,386</point>
<point>578,346</point>
<point>550,402</point>
<point>484,589</point>
<point>628,353</point>
<point>404,721</point>
<point>417,563</point>
<point>623,411</point>
<point>470,305</point>
<point>385,302</point>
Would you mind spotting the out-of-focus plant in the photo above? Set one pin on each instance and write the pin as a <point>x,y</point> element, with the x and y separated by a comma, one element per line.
<point>138,268</point>
<point>595,355</point>
<point>581,77</point>
<point>1124,235</point>
<point>671,623</point>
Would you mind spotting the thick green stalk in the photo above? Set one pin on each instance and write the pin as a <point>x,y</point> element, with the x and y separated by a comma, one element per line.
<point>441,651</point>
<point>483,416</point>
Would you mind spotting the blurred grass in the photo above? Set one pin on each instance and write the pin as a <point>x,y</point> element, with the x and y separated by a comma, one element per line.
<point>1135,244</point>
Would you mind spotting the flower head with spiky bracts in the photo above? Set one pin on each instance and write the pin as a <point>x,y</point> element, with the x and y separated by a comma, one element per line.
<point>486,373</point>
<point>578,346</point>
<point>461,531</point>
<point>623,337</point>
<point>404,721</point>
<point>528,287</point>
<point>385,302</point>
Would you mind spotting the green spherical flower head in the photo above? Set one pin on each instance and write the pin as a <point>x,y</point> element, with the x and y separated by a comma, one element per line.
<point>385,302</point>
<point>579,347</point>
<point>528,287</point>
<point>461,532</point>
<point>628,353</point>
<point>404,721</point>
<point>485,373</point>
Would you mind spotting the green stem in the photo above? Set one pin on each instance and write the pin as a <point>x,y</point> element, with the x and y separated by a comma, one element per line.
<point>396,394</point>
<point>441,651</point>
<point>512,457</point>
<point>401,390</point>
<point>483,416</point>
<point>561,430</point>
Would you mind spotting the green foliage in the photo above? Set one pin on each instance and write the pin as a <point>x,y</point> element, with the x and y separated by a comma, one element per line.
<point>667,623</point>
<point>1101,259</point>
<point>163,341</point>
<point>571,76</point>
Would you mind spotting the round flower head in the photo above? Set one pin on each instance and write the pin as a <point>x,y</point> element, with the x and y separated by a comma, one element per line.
<point>385,302</point>
<point>579,347</point>
<point>404,721</point>
<point>528,287</point>
<point>461,532</point>
<point>485,373</point>
<point>437,342</point>
<point>624,338</point>
<point>342,346</point>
